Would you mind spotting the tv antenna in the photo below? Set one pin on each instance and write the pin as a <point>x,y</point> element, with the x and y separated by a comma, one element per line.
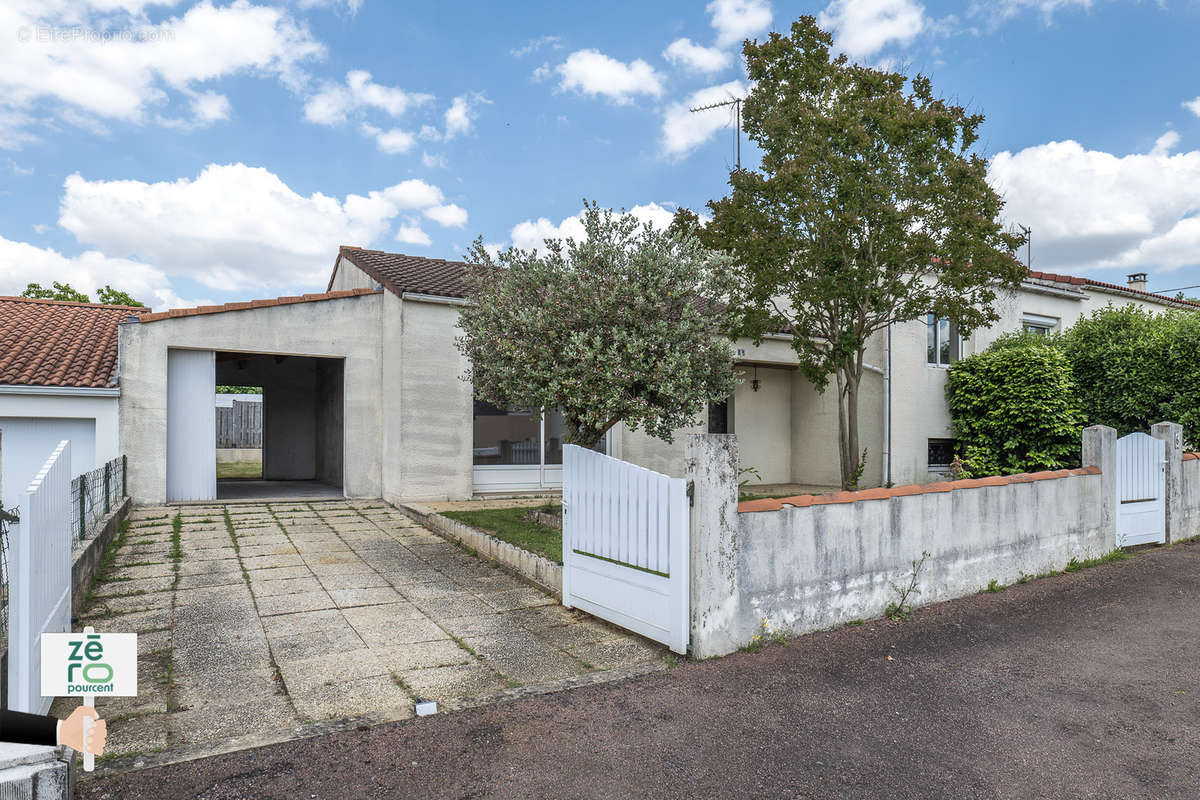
<point>1028,233</point>
<point>736,102</point>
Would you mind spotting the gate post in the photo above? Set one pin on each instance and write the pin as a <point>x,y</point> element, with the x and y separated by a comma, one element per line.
<point>710,465</point>
<point>1172,434</point>
<point>1100,450</point>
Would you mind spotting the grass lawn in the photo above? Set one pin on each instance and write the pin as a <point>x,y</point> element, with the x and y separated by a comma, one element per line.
<point>239,469</point>
<point>510,525</point>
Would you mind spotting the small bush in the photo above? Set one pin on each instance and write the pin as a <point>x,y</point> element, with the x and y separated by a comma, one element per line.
<point>1015,408</point>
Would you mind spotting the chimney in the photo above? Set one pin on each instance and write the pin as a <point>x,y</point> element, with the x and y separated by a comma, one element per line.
<point>1137,281</point>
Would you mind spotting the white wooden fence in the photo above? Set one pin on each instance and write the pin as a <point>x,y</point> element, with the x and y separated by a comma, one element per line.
<point>625,545</point>
<point>39,585</point>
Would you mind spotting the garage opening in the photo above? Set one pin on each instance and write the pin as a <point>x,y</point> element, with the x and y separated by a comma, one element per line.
<point>301,413</point>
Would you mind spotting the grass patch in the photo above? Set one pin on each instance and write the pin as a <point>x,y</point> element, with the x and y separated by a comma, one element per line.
<point>510,525</point>
<point>239,469</point>
<point>1112,556</point>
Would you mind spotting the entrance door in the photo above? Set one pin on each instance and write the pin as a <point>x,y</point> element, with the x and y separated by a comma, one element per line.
<point>191,425</point>
<point>1141,490</point>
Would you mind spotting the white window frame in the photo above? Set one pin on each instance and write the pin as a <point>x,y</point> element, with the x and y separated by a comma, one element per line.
<point>1045,324</point>
<point>955,353</point>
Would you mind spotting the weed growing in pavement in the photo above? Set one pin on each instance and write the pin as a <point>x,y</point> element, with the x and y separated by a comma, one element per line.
<point>1117,554</point>
<point>766,635</point>
<point>671,660</point>
<point>994,586</point>
<point>901,608</point>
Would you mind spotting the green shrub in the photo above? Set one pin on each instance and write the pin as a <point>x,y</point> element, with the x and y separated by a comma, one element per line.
<point>1015,407</point>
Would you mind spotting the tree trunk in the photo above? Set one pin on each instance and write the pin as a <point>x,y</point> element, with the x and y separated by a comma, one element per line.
<point>849,377</point>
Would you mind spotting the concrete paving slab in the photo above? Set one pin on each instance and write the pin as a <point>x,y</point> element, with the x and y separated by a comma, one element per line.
<point>373,596</point>
<point>285,586</point>
<point>135,573</point>
<point>511,599</point>
<point>140,734</point>
<point>350,698</point>
<point>394,632</point>
<point>293,603</point>
<point>204,581</point>
<point>267,714</point>
<point>188,566</point>
<point>353,580</point>
<point>444,684</point>
<point>312,672</point>
<point>525,658</point>
<point>287,624</point>
<point>269,562</point>
<point>619,652</point>
<point>125,587</point>
<point>196,690</point>
<point>278,573</point>
<point>309,644</point>
<point>422,655</point>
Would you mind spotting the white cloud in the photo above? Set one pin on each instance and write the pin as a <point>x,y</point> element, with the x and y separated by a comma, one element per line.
<point>22,263</point>
<point>462,113</point>
<point>531,234</point>
<point>533,45</point>
<point>683,131</point>
<point>233,227</point>
<point>864,27</point>
<point>334,102</point>
<point>1003,10</point>
<point>448,216</point>
<point>390,141</point>
<point>412,234</point>
<point>593,73</point>
<point>433,160</point>
<point>1193,106</point>
<point>737,20</point>
<point>685,53</point>
<point>1091,209</point>
<point>129,65</point>
<point>209,107</point>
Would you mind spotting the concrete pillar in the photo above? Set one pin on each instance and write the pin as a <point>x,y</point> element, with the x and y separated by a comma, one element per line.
<point>1100,450</point>
<point>710,464</point>
<point>1172,434</point>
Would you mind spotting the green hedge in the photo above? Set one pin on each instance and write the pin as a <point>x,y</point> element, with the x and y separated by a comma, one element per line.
<point>1015,407</point>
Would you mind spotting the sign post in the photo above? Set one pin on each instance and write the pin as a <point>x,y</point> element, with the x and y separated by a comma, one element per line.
<point>88,664</point>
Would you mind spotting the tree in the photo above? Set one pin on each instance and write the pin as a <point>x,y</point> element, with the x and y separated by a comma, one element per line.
<point>112,297</point>
<point>1016,407</point>
<point>64,291</point>
<point>61,291</point>
<point>624,325</point>
<point>869,209</point>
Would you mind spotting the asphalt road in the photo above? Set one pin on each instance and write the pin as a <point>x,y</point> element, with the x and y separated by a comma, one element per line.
<point>1081,685</point>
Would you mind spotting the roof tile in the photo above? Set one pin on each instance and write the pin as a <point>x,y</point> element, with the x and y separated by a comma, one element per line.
<point>400,273</point>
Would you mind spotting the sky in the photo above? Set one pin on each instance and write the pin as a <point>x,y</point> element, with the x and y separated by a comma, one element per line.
<point>208,152</point>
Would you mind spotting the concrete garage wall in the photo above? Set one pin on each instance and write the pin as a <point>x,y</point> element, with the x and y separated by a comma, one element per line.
<point>428,405</point>
<point>828,560</point>
<point>346,328</point>
<point>330,422</point>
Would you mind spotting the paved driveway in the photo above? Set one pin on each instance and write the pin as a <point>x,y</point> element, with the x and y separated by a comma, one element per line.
<point>273,616</point>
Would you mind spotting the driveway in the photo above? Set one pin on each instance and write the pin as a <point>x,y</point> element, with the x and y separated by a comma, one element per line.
<point>276,617</point>
<point>1080,685</point>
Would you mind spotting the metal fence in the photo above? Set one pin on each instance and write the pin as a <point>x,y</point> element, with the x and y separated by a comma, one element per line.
<point>95,494</point>
<point>240,425</point>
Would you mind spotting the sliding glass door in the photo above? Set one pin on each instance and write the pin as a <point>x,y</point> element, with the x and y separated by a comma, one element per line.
<point>516,450</point>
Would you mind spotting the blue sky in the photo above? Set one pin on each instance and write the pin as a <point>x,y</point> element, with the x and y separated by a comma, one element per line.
<point>223,150</point>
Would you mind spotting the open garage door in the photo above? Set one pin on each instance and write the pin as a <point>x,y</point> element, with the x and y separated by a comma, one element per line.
<point>191,425</point>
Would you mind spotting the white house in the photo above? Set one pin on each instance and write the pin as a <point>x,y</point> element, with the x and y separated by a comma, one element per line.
<point>58,380</point>
<point>363,391</point>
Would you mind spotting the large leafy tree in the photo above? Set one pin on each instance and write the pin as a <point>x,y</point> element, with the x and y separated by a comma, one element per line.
<point>870,208</point>
<point>623,325</point>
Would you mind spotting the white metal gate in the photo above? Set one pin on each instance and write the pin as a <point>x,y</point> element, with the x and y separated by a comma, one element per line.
<point>191,425</point>
<point>625,545</point>
<point>1141,490</point>
<point>39,581</point>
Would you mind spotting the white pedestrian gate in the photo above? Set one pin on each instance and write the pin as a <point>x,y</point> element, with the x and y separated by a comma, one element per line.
<point>625,545</point>
<point>1141,490</point>
<point>39,580</point>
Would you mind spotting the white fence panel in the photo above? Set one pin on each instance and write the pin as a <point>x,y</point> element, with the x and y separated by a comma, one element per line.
<point>39,587</point>
<point>625,545</point>
<point>1141,490</point>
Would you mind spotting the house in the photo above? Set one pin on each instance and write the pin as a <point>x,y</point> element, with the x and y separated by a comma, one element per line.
<point>363,392</point>
<point>58,380</point>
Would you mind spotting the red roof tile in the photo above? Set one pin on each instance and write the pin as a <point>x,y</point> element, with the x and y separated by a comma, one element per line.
<point>59,343</point>
<point>400,273</point>
<point>248,304</point>
<point>1077,281</point>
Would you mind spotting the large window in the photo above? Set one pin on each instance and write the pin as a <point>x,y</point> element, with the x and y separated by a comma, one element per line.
<point>506,437</point>
<point>943,346</point>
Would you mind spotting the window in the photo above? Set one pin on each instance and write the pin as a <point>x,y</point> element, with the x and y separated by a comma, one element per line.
<point>718,417</point>
<point>943,346</point>
<point>1038,325</point>
<point>505,437</point>
<point>941,453</point>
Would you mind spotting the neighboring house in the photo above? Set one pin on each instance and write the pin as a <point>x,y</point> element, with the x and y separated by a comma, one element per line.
<point>58,380</point>
<point>363,390</point>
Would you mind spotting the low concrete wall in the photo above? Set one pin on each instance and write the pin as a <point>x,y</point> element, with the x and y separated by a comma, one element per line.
<point>87,555</point>
<point>537,569</point>
<point>808,563</point>
<point>1189,497</point>
<point>239,455</point>
<point>37,773</point>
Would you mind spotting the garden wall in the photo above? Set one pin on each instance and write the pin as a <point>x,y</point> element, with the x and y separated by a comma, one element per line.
<point>1189,496</point>
<point>811,562</point>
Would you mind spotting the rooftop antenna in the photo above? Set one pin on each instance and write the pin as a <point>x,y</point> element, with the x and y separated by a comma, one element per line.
<point>1028,232</point>
<point>736,102</point>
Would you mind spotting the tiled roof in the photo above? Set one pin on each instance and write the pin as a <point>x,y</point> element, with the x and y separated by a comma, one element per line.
<point>1111,287</point>
<point>276,301</point>
<point>401,273</point>
<point>59,343</point>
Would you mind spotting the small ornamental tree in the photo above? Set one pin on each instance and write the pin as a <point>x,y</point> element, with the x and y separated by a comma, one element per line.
<point>61,291</point>
<point>870,209</point>
<point>624,325</point>
<point>1015,408</point>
